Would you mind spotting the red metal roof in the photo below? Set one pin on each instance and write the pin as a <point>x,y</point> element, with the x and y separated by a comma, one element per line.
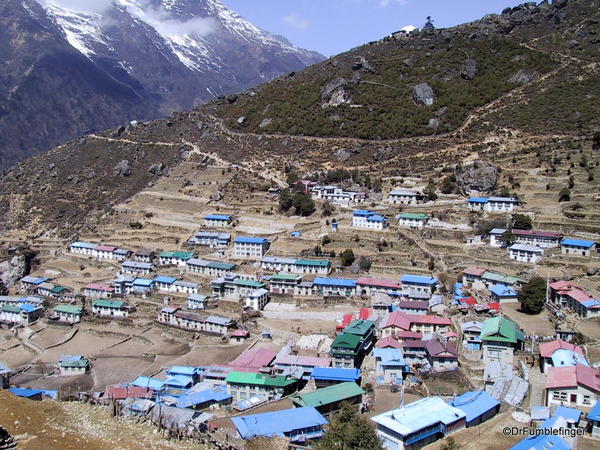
<point>475,271</point>
<point>536,233</point>
<point>388,342</point>
<point>563,377</point>
<point>468,301</point>
<point>345,321</point>
<point>105,248</point>
<point>254,358</point>
<point>548,348</point>
<point>239,333</point>
<point>495,306</point>
<point>121,393</point>
<point>439,349</point>
<point>404,321</point>
<point>99,287</point>
<point>408,335</point>
<point>379,282</point>
<point>365,313</point>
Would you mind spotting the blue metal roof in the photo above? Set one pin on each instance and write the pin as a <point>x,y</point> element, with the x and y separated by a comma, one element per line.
<point>184,370</point>
<point>542,443</point>
<point>164,279</point>
<point>179,382</point>
<point>478,200</point>
<point>594,413</point>
<point>340,282</point>
<point>29,308</point>
<point>475,403</point>
<point>389,356</point>
<point>377,218</point>
<point>142,282</point>
<point>216,394</point>
<point>83,245</point>
<point>577,243</point>
<point>503,291</point>
<point>568,413</point>
<point>590,303</point>
<point>418,279</point>
<point>218,217</point>
<point>147,382</point>
<point>362,213</point>
<point>250,240</point>
<point>567,358</point>
<point>22,392</point>
<point>335,374</point>
<point>278,423</point>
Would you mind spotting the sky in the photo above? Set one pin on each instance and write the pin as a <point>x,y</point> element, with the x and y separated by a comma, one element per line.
<point>334,26</point>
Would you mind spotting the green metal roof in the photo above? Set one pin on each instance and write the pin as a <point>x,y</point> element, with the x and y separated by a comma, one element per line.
<point>249,283</point>
<point>359,327</point>
<point>500,329</point>
<point>108,304</point>
<point>493,276</point>
<point>78,363</point>
<point>418,216</point>
<point>285,277</point>
<point>69,309</point>
<point>11,309</point>
<point>58,289</point>
<point>349,341</point>
<point>180,255</point>
<point>313,262</point>
<point>331,394</point>
<point>221,265</point>
<point>259,379</point>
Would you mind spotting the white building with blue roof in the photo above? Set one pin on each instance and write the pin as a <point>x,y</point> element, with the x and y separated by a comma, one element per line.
<point>82,248</point>
<point>418,284</point>
<point>218,220</point>
<point>390,365</point>
<point>478,406</point>
<point>503,294</point>
<point>493,204</point>
<point>344,287</point>
<point>495,235</point>
<point>136,267</point>
<point>418,424</point>
<point>165,283</point>
<point>577,247</point>
<point>364,218</point>
<point>210,239</point>
<point>250,247</point>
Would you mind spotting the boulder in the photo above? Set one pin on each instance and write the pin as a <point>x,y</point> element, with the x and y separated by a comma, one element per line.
<point>13,270</point>
<point>361,264</point>
<point>342,155</point>
<point>423,95</point>
<point>433,124</point>
<point>122,169</point>
<point>469,69</point>
<point>523,76</point>
<point>335,92</point>
<point>591,271</point>
<point>573,43</point>
<point>480,177</point>
<point>440,112</point>
<point>363,64</point>
<point>156,169</point>
<point>560,4</point>
<point>241,120</point>
<point>265,123</point>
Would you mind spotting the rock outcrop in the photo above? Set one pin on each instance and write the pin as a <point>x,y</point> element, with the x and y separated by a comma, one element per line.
<point>480,177</point>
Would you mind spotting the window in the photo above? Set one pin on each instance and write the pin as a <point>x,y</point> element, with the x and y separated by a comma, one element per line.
<point>587,400</point>
<point>556,395</point>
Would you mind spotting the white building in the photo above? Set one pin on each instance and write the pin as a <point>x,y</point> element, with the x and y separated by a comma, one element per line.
<point>338,196</point>
<point>98,290</point>
<point>496,237</point>
<point>108,308</point>
<point>74,365</point>
<point>525,253</point>
<point>250,247</point>
<point>20,314</point>
<point>218,220</point>
<point>257,299</point>
<point>278,264</point>
<point>136,267</point>
<point>404,197</point>
<point>197,301</point>
<point>165,284</point>
<point>291,265</point>
<point>185,287</point>
<point>175,258</point>
<point>367,219</point>
<point>212,240</point>
<point>574,386</point>
<point>543,239</point>
<point>577,247</point>
<point>412,220</point>
<point>104,252</point>
<point>82,248</point>
<point>68,313</point>
<point>211,268</point>
<point>493,204</point>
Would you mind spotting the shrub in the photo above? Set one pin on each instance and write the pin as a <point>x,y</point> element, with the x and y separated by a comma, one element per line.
<point>347,257</point>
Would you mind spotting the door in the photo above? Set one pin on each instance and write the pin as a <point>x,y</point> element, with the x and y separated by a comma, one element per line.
<point>573,398</point>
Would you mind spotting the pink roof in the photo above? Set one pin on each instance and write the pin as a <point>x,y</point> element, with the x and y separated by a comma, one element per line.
<point>547,349</point>
<point>345,321</point>
<point>105,248</point>
<point>476,271</point>
<point>254,358</point>
<point>437,348</point>
<point>563,377</point>
<point>408,335</point>
<point>121,393</point>
<point>388,342</point>
<point>577,294</point>
<point>365,313</point>
<point>404,321</point>
<point>239,333</point>
<point>450,334</point>
<point>310,361</point>
<point>413,304</point>
<point>537,233</point>
<point>468,300</point>
<point>563,284</point>
<point>379,282</point>
<point>99,287</point>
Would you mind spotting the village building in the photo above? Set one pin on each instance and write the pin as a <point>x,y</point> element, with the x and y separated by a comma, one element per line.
<point>197,301</point>
<point>415,352</point>
<point>164,283</point>
<point>174,258</point>
<point>300,367</point>
<point>343,287</point>
<point>329,400</point>
<point>104,252</point>
<point>442,356</point>
<point>536,238</point>
<point>593,418</point>
<point>412,284</point>
<point>218,221</point>
<point>82,248</point>
<point>496,239</point>
<point>565,294</point>
<point>346,351</point>
<point>51,290</point>
<point>472,275</point>
<point>412,307</point>
<point>418,424</point>
<point>217,325</point>
<point>24,313</point>
<point>390,367</point>
<point>144,255</point>
<point>257,299</point>
<point>199,400</point>
<point>108,308</point>
<point>292,265</point>
<point>284,283</point>
<point>297,425</point>
<point>363,218</point>
<point>278,264</point>
<point>232,285</point>
<point>305,288</point>
<point>173,316</point>
<point>185,287</point>
<point>478,407</point>
<point>572,386</point>
<point>500,337</point>
<point>404,197</point>
<point>244,385</point>
<point>525,253</point>
<point>30,283</point>
<point>389,342</point>
<point>504,294</point>
<point>577,247</point>
<point>327,376</point>
<point>371,286</point>
<point>209,239</point>
<point>337,196</point>
<point>142,286</point>
<point>398,321</point>
<point>74,365</point>
<point>477,203</point>
<point>68,313</point>
<point>136,267</point>
<point>239,336</point>
<point>250,247</point>
<point>97,290</point>
<point>412,220</point>
<point>210,268</point>
<point>121,254</point>
<point>365,330</point>
<point>559,353</point>
<point>471,332</point>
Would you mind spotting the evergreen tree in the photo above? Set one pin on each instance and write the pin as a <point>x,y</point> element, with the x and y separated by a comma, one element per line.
<point>347,257</point>
<point>522,222</point>
<point>564,195</point>
<point>349,430</point>
<point>285,200</point>
<point>508,238</point>
<point>429,191</point>
<point>533,296</point>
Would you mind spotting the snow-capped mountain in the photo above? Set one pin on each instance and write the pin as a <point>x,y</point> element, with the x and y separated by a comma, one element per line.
<point>75,66</point>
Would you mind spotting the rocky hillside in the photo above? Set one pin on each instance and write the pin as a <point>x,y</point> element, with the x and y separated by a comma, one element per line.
<point>71,70</point>
<point>523,84</point>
